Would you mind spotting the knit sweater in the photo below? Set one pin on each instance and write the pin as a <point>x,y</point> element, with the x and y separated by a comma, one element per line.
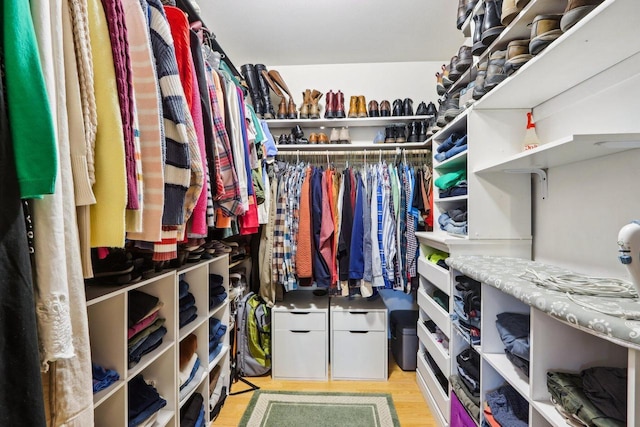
<point>29,112</point>
<point>174,109</point>
<point>146,92</point>
<point>120,49</point>
<point>110,189</point>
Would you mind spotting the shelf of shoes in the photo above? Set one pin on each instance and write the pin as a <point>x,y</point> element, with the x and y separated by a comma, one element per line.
<point>466,27</point>
<point>355,147</point>
<point>334,123</point>
<point>584,51</point>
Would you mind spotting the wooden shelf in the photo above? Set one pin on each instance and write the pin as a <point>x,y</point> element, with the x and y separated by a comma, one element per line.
<point>592,43</point>
<point>164,417</point>
<point>335,123</point>
<point>568,150</point>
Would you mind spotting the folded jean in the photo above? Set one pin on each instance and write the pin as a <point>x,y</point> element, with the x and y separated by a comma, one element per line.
<point>213,353</point>
<point>460,189</point>
<point>103,378</point>
<point>190,411</point>
<point>514,332</point>
<point>187,301</point>
<point>471,384</point>
<point>215,279</point>
<point>188,389</point>
<point>214,325</point>
<point>518,362</point>
<point>144,323</point>
<point>183,289</point>
<point>188,316</point>
<point>152,342</point>
<point>216,290</point>
<point>140,304</point>
<point>144,400</point>
<point>215,300</point>
<point>200,420</point>
<point>220,332</point>
<point>448,143</point>
<point>508,407</point>
<point>188,369</point>
<point>456,149</point>
<point>192,374</point>
<point>135,341</point>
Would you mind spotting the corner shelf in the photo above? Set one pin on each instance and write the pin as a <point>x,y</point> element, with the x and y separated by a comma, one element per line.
<point>554,70</point>
<point>334,123</point>
<point>568,150</point>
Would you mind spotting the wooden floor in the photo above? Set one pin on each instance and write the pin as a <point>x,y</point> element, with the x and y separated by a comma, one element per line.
<point>410,405</point>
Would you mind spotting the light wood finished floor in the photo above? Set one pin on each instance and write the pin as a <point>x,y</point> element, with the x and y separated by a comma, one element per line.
<point>410,405</point>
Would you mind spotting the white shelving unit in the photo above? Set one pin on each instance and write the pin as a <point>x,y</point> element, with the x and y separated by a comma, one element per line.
<point>107,313</point>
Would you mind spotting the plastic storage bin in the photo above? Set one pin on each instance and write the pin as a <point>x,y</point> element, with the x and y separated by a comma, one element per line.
<point>404,339</point>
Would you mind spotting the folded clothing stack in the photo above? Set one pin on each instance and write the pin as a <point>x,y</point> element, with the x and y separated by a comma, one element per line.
<point>102,378</point>
<point>217,294</point>
<point>454,221</point>
<point>466,308</point>
<point>506,407</point>
<point>192,413</point>
<point>438,257</point>
<point>595,397</point>
<point>144,403</point>
<point>437,333</point>
<point>187,303</point>
<point>146,327</point>
<point>460,417</point>
<point>441,298</point>
<point>451,146</point>
<point>216,332</point>
<point>514,332</point>
<point>191,369</point>
<point>218,387</point>
<point>469,371</point>
<point>468,400</point>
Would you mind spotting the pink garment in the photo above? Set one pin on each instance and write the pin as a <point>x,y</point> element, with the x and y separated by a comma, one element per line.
<point>199,215</point>
<point>326,226</point>
<point>144,323</point>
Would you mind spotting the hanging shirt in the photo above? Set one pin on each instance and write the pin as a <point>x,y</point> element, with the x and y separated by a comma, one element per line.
<point>356,260</point>
<point>346,227</point>
<point>321,270</point>
<point>376,229</point>
<point>326,226</point>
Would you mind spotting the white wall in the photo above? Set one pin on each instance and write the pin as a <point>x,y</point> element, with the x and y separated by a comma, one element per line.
<point>588,203</point>
<point>376,81</point>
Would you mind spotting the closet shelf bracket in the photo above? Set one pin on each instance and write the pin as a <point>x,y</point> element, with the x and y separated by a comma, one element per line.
<point>542,174</point>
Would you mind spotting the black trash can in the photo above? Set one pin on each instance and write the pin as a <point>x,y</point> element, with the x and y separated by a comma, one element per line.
<point>404,338</point>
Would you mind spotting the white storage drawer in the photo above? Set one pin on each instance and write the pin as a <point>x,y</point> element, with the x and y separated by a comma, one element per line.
<point>300,320</point>
<point>356,320</point>
<point>359,355</point>
<point>434,274</point>
<point>434,311</point>
<point>435,349</point>
<point>440,398</point>
<point>300,354</point>
<point>437,412</point>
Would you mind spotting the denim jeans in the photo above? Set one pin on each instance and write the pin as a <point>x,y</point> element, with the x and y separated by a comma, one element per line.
<point>192,374</point>
<point>144,400</point>
<point>514,333</point>
<point>183,289</point>
<point>103,378</point>
<point>152,342</point>
<point>448,143</point>
<point>217,299</point>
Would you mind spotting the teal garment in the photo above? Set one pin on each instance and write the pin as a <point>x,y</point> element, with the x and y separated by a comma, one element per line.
<point>450,179</point>
<point>260,137</point>
<point>30,118</point>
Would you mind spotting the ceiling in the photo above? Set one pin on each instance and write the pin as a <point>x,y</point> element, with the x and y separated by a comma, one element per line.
<point>303,32</point>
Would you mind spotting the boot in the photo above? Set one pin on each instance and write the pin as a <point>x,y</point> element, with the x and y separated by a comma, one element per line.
<point>374,109</point>
<point>413,132</point>
<point>323,138</point>
<point>282,107</point>
<point>431,109</point>
<point>397,107</point>
<point>330,108</point>
<point>401,132</point>
<point>385,109</point>
<point>344,137</point>
<point>275,76</point>
<point>492,26</point>
<point>362,107</point>
<point>269,113</point>
<point>478,47</point>
<point>439,85</point>
<point>334,137</point>
<point>251,78</point>
<point>339,106</point>
<point>314,111</point>
<point>292,111</point>
<point>407,107</point>
<point>306,104</point>
<point>353,107</point>
<point>390,134</point>
<point>422,109</point>
<point>298,134</point>
<point>422,130</point>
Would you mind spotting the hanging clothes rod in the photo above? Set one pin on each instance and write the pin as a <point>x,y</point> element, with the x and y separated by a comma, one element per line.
<point>353,153</point>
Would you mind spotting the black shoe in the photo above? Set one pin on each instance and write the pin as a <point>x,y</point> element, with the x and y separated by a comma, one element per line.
<point>414,132</point>
<point>269,112</point>
<point>390,134</point>
<point>397,107</point>
<point>282,139</point>
<point>431,110</point>
<point>422,133</point>
<point>297,133</point>
<point>422,109</point>
<point>407,107</point>
<point>478,47</point>
<point>251,78</point>
<point>401,132</point>
<point>492,25</point>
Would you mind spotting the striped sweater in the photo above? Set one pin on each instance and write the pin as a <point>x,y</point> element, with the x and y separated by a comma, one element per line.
<point>177,168</point>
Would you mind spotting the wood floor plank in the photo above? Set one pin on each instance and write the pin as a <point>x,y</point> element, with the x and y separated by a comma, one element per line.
<point>410,405</point>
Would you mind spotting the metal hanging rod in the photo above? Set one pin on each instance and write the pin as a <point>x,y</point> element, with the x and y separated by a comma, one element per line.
<point>363,153</point>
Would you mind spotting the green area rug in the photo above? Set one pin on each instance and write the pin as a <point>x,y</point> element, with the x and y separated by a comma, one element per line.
<point>289,409</point>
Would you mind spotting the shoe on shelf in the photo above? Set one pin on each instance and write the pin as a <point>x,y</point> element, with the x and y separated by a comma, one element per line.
<point>422,109</point>
<point>314,110</point>
<point>374,109</point>
<point>282,139</point>
<point>545,29</point>
<point>292,110</point>
<point>313,138</point>
<point>431,110</point>
<point>478,90</point>
<point>330,107</point>
<point>495,70</point>
<point>414,131</point>
<point>339,106</point>
<point>454,73</point>
<point>334,137</point>
<point>250,77</point>
<point>361,109</point>
<point>509,12</point>
<point>379,138</point>
<point>491,27</point>
<point>440,120</point>
<point>269,112</point>
<point>397,107</point>
<point>452,107</point>
<point>390,134</point>
<point>353,107</point>
<point>517,55</point>
<point>323,138</point>
<point>401,132</point>
<point>575,11</point>
<point>446,81</point>
<point>423,125</point>
<point>407,107</point>
<point>343,136</point>
<point>465,59</point>
<point>478,47</point>
<point>385,109</point>
<point>439,85</point>
<point>306,104</point>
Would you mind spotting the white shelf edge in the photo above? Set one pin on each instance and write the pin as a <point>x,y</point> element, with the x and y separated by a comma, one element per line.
<point>190,327</point>
<point>218,358</point>
<point>148,359</point>
<point>164,416</point>
<point>361,122</point>
<point>509,372</point>
<point>193,266</point>
<point>576,43</point>
<point>453,162</point>
<point>292,148</point>
<point>453,126</point>
<point>105,292</point>
<point>218,307</point>
<point>101,396</point>
<point>549,412</point>
<point>571,149</point>
<point>192,392</point>
<point>452,199</point>
<point>233,264</point>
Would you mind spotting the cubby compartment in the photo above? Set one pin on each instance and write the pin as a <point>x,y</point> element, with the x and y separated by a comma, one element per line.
<point>466,313</point>
<point>433,310</point>
<point>202,338</point>
<point>439,353</point>
<point>161,374</point>
<point>491,380</point>
<point>113,410</point>
<point>495,302</point>
<point>197,277</point>
<point>432,272</point>
<point>550,341</point>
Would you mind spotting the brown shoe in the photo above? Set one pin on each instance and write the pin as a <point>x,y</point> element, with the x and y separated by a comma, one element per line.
<point>330,108</point>
<point>313,138</point>
<point>339,105</point>
<point>362,107</point>
<point>282,109</point>
<point>517,55</point>
<point>353,107</point>
<point>323,138</point>
<point>544,30</point>
<point>374,109</point>
<point>314,110</point>
<point>306,104</point>
<point>575,11</point>
<point>292,111</point>
<point>385,109</point>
